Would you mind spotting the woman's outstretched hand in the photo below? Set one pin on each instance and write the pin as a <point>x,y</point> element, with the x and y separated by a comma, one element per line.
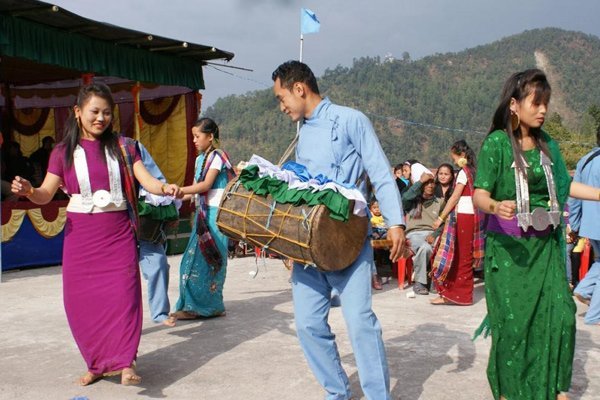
<point>21,186</point>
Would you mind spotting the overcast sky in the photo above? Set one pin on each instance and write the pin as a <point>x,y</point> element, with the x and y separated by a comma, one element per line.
<point>264,33</point>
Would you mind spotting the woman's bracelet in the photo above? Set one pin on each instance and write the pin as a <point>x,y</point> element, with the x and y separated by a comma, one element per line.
<point>162,188</point>
<point>442,219</point>
<point>30,192</point>
<point>492,206</point>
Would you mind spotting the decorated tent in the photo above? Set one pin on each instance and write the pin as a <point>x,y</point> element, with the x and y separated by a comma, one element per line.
<point>46,54</point>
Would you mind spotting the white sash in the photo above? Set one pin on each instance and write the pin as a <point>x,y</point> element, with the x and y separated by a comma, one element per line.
<point>101,198</point>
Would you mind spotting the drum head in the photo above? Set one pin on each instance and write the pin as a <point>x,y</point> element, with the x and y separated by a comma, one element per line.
<point>335,244</point>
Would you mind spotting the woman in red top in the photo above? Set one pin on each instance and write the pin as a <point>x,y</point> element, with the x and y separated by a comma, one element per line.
<point>454,282</point>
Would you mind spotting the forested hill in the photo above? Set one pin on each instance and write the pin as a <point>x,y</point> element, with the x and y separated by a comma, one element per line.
<point>419,108</point>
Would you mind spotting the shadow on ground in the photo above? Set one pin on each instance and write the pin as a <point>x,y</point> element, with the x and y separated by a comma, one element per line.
<point>206,339</point>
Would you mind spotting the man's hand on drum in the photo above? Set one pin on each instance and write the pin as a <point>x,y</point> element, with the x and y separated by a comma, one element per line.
<point>396,235</point>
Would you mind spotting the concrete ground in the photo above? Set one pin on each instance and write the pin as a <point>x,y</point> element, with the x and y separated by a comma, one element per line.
<point>252,353</point>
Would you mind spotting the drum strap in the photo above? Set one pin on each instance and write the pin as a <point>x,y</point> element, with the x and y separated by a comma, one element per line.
<point>290,149</point>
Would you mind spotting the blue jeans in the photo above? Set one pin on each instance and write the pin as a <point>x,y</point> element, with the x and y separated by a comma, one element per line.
<point>155,269</point>
<point>311,290</point>
<point>589,287</point>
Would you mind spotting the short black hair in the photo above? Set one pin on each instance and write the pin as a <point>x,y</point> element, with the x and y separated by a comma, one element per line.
<point>294,71</point>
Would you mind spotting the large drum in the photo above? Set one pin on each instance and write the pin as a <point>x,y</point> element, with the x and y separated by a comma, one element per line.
<point>306,234</point>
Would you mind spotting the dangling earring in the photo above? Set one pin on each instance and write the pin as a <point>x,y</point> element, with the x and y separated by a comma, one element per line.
<point>462,162</point>
<point>515,121</point>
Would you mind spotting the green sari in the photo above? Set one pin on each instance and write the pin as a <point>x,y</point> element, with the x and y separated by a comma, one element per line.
<point>530,309</point>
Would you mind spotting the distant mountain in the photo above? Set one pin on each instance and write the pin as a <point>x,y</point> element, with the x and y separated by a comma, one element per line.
<point>419,108</point>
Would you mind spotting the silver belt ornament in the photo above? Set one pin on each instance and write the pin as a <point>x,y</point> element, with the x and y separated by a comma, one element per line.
<point>100,198</point>
<point>540,218</point>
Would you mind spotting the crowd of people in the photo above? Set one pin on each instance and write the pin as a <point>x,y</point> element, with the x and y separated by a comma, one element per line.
<point>500,212</point>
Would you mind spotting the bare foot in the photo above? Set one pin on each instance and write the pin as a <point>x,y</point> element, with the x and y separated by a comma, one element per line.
<point>183,315</point>
<point>439,300</point>
<point>170,322</point>
<point>88,379</point>
<point>130,377</point>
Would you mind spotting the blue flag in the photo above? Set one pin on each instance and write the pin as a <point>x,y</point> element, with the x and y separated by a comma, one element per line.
<point>308,22</point>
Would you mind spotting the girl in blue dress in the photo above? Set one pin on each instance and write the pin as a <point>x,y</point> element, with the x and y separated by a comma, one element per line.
<point>203,266</point>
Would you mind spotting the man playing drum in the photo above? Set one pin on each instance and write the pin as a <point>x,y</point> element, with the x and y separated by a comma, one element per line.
<point>340,143</point>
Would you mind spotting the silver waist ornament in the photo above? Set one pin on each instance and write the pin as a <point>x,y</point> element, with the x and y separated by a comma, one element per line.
<point>101,198</point>
<point>539,218</point>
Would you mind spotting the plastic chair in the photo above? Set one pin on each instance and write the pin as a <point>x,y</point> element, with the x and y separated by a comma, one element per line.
<point>586,255</point>
<point>405,270</point>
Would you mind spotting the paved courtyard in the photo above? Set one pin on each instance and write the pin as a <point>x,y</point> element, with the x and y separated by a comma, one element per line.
<point>252,352</point>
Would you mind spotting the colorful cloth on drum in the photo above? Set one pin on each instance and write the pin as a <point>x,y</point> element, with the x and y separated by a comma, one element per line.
<point>293,184</point>
<point>298,177</point>
<point>156,207</point>
<point>338,205</point>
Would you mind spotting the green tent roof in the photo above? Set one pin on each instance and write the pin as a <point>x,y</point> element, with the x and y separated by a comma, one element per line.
<point>68,45</point>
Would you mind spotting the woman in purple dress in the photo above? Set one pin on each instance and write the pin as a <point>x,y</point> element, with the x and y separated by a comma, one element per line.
<point>101,279</point>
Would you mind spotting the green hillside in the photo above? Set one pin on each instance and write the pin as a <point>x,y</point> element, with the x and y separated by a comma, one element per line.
<point>419,108</point>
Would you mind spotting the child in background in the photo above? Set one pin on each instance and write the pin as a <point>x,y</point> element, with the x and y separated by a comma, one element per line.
<point>402,174</point>
<point>379,231</point>
<point>377,222</point>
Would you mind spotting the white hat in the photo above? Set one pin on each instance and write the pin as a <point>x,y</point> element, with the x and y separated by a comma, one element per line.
<point>417,170</point>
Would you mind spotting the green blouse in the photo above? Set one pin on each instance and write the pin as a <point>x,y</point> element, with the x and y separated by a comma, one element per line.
<point>495,171</point>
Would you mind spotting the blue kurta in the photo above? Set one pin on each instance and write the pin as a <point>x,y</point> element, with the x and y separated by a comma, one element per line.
<point>340,142</point>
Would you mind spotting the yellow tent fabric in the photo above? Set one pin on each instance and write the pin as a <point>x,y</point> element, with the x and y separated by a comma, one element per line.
<point>29,144</point>
<point>167,142</point>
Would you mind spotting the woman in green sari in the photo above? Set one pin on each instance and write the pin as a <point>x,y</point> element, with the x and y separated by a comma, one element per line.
<point>522,183</point>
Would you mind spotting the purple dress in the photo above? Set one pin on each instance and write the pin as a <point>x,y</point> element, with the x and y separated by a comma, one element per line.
<point>101,279</point>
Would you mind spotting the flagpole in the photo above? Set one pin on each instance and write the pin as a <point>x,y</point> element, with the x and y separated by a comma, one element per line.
<point>301,48</point>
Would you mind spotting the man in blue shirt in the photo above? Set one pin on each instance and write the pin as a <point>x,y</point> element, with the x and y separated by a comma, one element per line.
<point>153,258</point>
<point>340,143</point>
<point>583,218</point>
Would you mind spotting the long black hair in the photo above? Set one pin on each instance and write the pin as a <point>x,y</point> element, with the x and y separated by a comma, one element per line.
<point>207,125</point>
<point>72,134</point>
<point>438,186</point>
<point>518,86</point>
<point>461,146</point>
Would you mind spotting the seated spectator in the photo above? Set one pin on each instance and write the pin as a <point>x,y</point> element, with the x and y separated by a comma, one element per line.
<point>377,222</point>
<point>15,163</point>
<point>422,210</point>
<point>402,174</point>
<point>378,232</point>
<point>39,160</point>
